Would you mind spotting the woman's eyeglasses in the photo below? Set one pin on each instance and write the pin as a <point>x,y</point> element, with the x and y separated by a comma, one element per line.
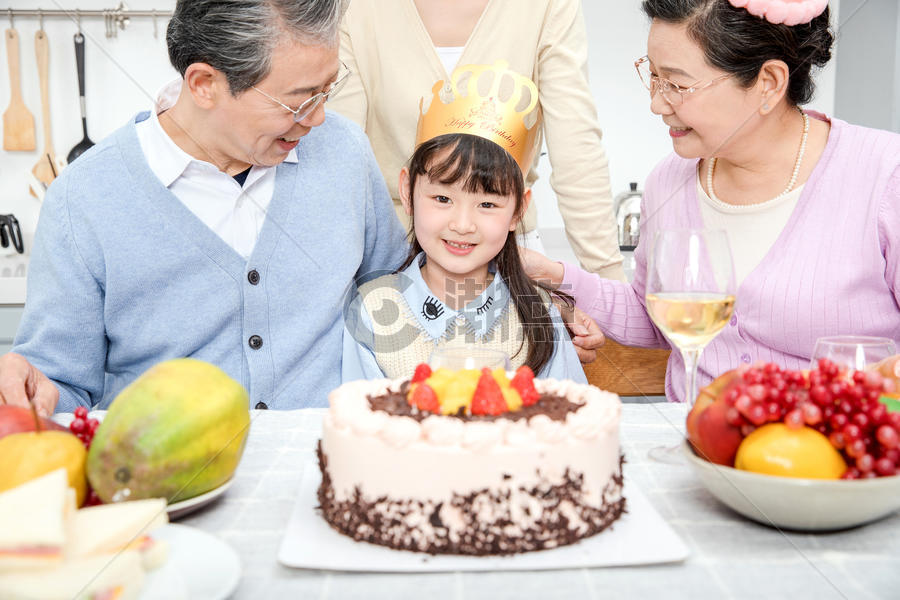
<point>671,91</point>
<point>312,103</point>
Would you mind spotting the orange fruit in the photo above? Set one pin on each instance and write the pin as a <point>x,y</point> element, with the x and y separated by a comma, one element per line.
<point>776,449</point>
<point>25,456</point>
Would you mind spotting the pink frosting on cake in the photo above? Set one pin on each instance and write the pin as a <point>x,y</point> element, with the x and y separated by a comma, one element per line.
<point>396,462</point>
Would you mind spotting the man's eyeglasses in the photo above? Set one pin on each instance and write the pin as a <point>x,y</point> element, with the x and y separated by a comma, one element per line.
<point>671,91</point>
<point>313,102</point>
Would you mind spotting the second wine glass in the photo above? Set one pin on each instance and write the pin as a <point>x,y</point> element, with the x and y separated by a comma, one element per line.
<point>853,352</point>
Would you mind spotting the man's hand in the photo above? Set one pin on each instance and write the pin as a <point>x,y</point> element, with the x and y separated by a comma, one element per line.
<point>21,384</point>
<point>586,334</point>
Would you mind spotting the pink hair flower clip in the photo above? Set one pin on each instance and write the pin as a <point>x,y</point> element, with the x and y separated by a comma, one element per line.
<point>787,12</point>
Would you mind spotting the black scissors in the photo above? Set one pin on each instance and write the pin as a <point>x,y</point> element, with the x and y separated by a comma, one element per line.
<point>11,233</point>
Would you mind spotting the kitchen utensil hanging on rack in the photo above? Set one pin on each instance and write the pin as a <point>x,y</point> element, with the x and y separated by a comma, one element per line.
<point>86,142</point>
<point>18,122</point>
<point>48,166</point>
<point>11,233</point>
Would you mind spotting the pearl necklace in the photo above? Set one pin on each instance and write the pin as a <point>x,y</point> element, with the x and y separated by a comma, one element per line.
<point>794,174</point>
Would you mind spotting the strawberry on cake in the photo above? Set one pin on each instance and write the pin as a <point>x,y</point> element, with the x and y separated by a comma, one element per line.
<point>471,462</point>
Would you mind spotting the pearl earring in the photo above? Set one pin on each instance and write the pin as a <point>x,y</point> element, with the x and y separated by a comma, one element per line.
<point>766,106</point>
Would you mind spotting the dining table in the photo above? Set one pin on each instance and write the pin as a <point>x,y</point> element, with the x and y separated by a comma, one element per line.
<point>729,555</point>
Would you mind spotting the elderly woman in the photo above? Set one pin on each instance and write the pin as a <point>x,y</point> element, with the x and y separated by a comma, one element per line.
<point>811,204</point>
<point>206,226</point>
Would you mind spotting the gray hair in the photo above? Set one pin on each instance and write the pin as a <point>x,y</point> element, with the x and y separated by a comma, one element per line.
<point>237,37</point>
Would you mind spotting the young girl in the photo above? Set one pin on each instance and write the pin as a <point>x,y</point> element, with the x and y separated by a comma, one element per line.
<point>463,281</point>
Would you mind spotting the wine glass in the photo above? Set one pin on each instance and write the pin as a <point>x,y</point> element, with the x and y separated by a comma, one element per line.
<point>690,292</point>
<point>456,358</point>
<point>854,352</point>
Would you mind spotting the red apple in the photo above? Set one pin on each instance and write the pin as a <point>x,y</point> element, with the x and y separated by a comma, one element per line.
<point>16,419</point>
<point>889,368</point>
<point>712,437</point>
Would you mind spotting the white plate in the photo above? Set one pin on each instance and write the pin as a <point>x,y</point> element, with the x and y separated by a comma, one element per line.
<point>639,537</point>
<point>185,507</point>
<point>65,419</point>
<point>200,566</point>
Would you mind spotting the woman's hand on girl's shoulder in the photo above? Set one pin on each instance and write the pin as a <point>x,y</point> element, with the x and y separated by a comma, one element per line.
<point>542,269</point>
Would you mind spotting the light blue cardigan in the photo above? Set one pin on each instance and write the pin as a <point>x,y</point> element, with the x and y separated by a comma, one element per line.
<point>123,275</point>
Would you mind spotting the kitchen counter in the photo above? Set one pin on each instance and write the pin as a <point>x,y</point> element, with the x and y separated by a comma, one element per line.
<point>13,268</point>
<point>557,247</point>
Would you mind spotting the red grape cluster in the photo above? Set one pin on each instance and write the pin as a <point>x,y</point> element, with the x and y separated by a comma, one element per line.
<point>843,406</point>
<point>83,427</point>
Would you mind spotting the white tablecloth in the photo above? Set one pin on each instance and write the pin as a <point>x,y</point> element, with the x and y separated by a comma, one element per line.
<point>731,557</point>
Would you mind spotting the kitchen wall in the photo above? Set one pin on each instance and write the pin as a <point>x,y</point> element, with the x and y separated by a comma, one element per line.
<point>123,73</point>
<point>868,66</point>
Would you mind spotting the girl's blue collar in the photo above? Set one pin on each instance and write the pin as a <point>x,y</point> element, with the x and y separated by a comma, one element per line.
<point>437,319</point>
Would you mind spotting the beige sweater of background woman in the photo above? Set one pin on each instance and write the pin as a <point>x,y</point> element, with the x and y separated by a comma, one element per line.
<point>394,64</point>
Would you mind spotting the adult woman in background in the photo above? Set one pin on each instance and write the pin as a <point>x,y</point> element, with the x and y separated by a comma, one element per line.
<point>811,204</point>
<point>397,49</point>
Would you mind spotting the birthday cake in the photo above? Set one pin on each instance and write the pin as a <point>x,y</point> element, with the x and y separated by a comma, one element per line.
<point>470,462</point>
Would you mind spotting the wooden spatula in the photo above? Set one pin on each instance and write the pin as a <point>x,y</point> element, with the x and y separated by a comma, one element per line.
<point>46,168</point>
<point>18,123</point>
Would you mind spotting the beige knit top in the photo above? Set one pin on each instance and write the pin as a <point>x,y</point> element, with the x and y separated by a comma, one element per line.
<point>395,64</point>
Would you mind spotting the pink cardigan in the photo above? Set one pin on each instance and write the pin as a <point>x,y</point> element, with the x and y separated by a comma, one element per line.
<point>835,268</point>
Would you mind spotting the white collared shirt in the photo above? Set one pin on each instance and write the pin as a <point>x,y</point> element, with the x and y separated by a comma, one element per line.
<point>235,213</point>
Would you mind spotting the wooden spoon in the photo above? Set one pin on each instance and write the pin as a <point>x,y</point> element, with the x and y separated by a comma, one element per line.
<point>45,170</point>
<point>18,123</point>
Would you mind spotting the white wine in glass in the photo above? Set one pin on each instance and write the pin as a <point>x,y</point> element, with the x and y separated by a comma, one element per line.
<point>690,291</point>
<point>690,320</point>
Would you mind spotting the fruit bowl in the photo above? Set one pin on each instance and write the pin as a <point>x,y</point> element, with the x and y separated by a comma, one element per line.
<point>799,504</point>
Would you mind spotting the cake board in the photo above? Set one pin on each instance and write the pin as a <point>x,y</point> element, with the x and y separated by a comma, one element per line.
<point>639,537</point>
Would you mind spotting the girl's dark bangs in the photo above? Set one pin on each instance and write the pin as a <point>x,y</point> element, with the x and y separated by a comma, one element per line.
<point>481,165</point>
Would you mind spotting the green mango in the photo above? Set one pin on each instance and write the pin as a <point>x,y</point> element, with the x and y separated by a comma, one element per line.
<point>176,432</point>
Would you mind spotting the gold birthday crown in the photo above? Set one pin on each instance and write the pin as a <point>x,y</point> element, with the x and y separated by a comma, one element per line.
<point>485,115</point>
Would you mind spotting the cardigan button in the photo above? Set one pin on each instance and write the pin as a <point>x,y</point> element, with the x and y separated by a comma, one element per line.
<point>253,277</point>
<point>733,321</point>
<point>255,342</point>
<point>745,358</point>
<point>262,406</point>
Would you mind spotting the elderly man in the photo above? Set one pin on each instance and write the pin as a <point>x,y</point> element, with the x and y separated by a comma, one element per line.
<point>225,225</point>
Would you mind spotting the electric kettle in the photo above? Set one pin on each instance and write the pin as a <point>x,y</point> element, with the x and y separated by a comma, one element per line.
<point>627,206</point>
